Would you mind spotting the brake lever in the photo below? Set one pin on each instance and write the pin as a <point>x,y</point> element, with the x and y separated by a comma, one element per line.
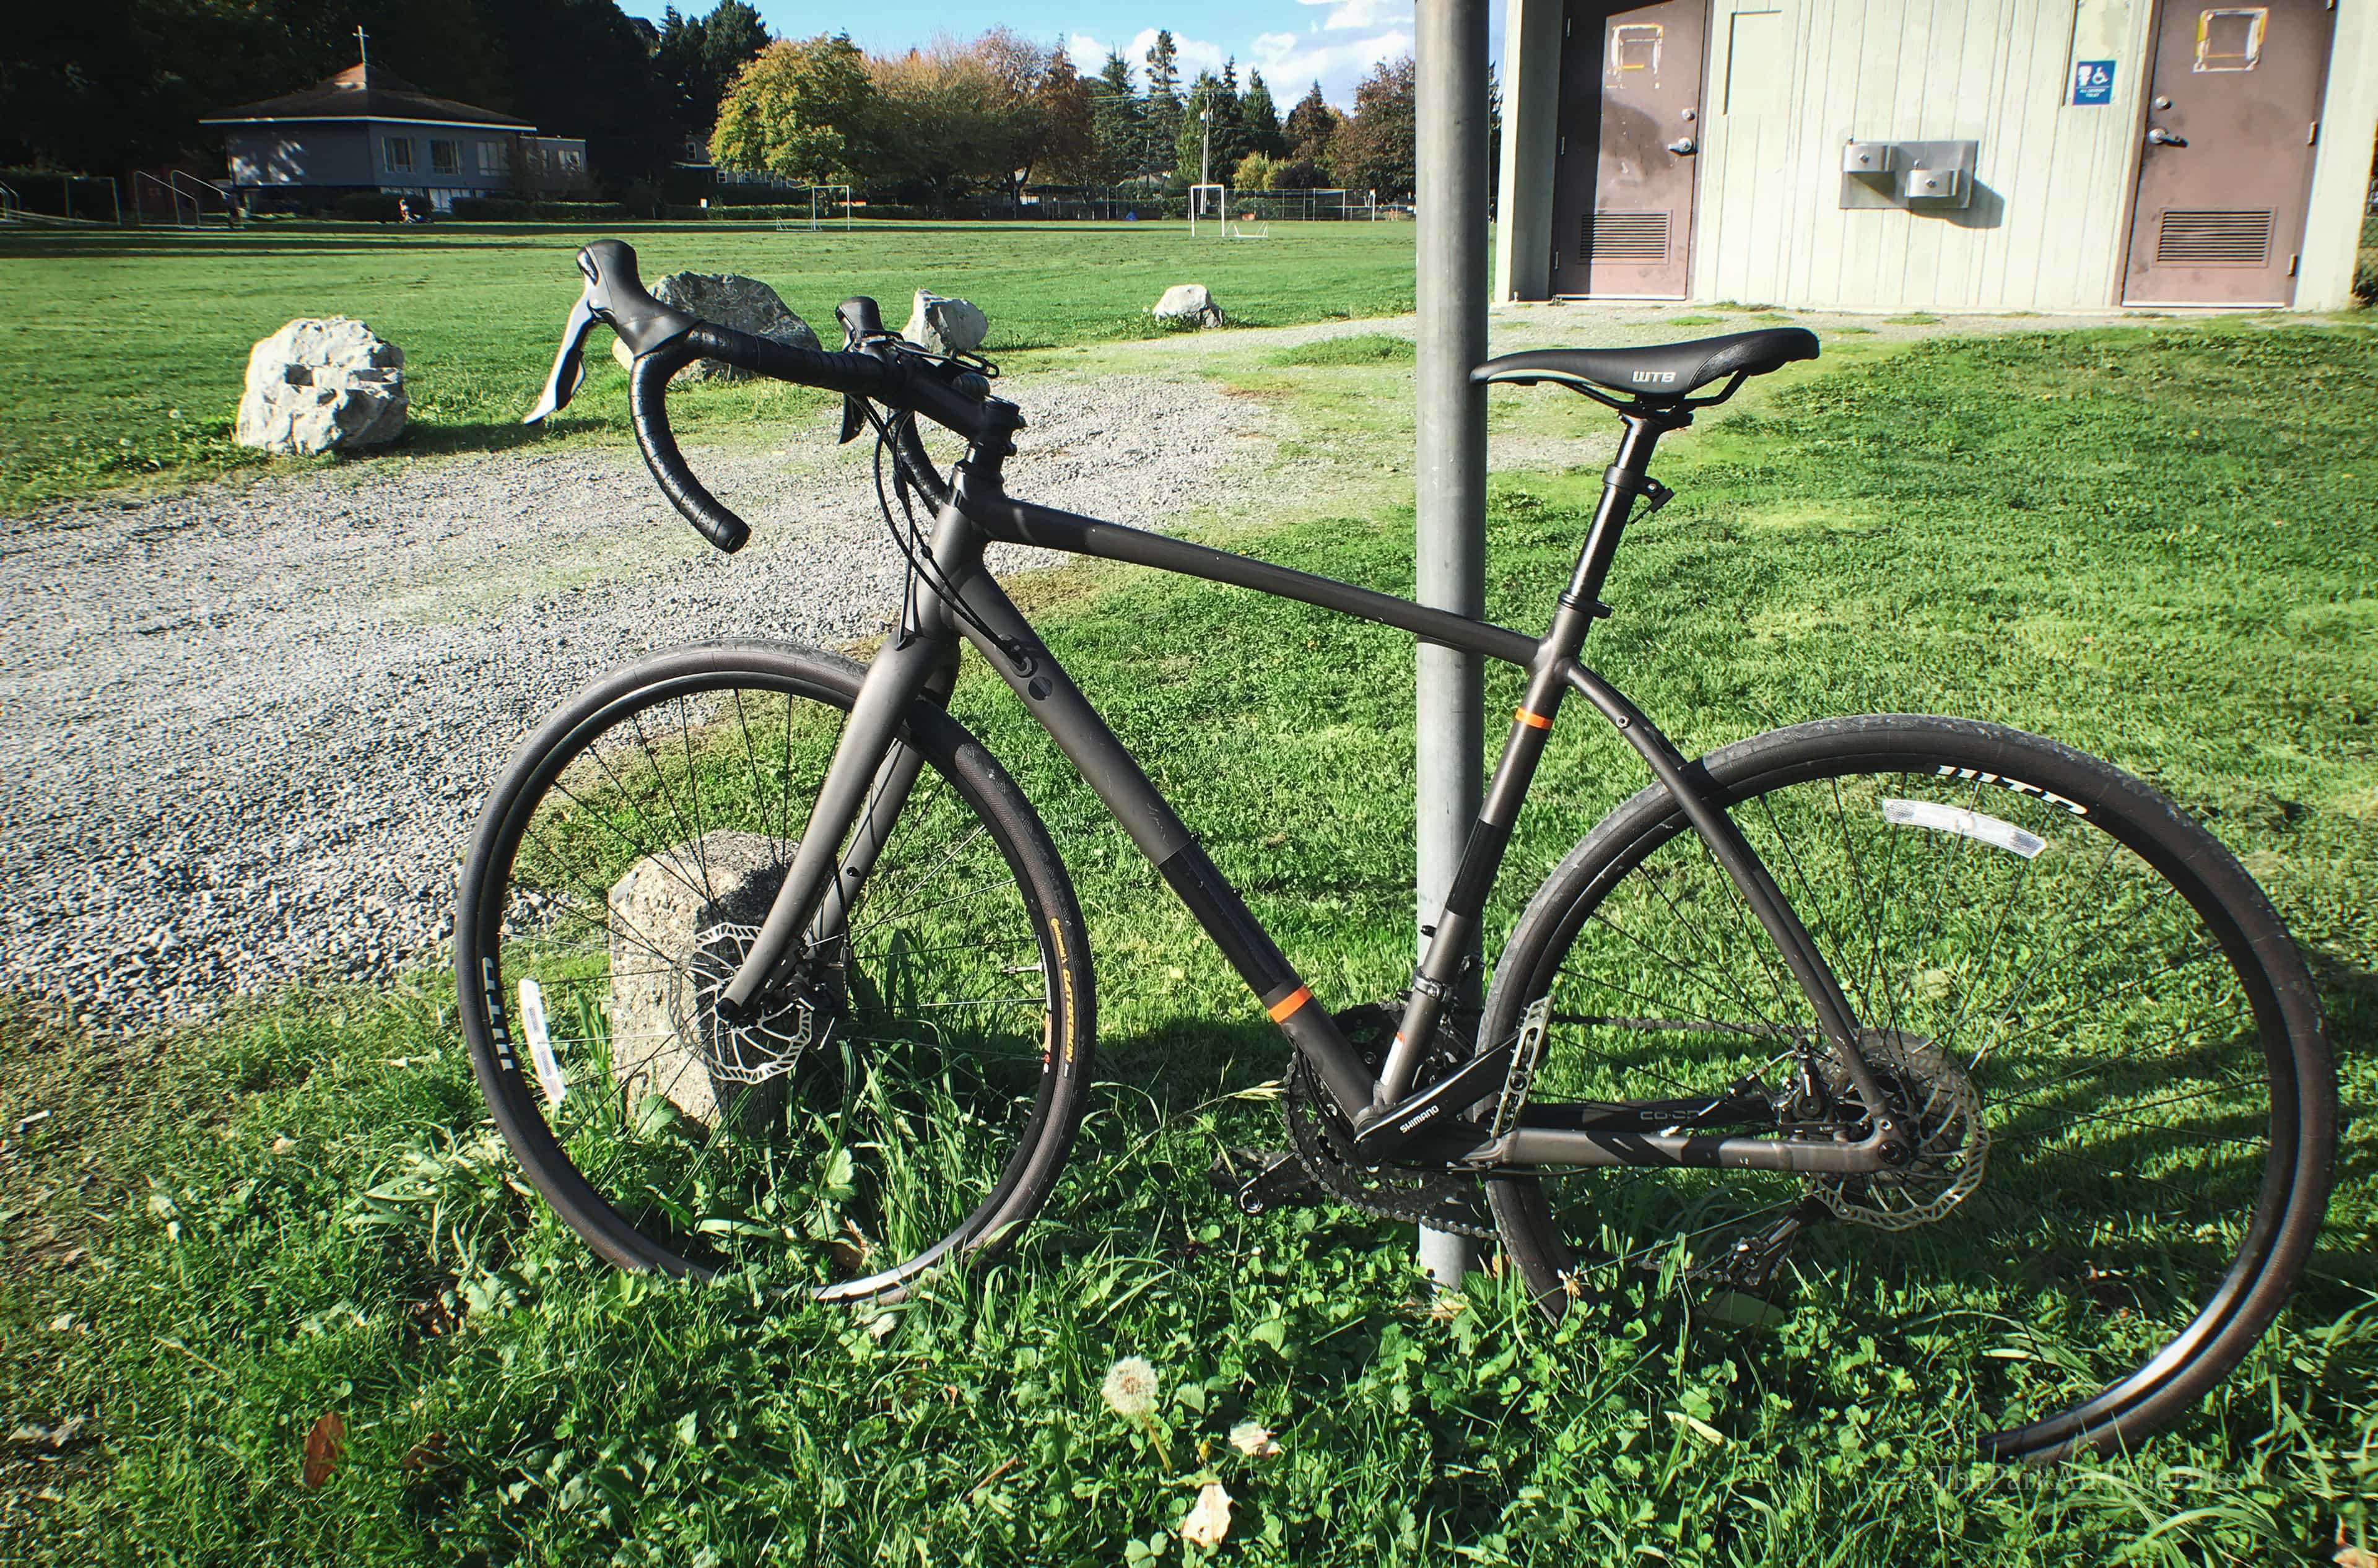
<point>569,370</point>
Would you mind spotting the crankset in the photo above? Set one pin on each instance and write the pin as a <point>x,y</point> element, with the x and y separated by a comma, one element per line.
<point>1324,1146</point>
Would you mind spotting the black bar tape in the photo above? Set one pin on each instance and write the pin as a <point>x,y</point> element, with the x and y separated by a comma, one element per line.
<point>648,416</point>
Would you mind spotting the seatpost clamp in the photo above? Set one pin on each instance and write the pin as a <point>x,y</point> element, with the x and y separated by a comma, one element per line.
<point>1643,484</point>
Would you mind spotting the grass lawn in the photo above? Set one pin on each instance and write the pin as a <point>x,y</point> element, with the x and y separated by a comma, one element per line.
<point>127,351</point>
<point>2154,545</point>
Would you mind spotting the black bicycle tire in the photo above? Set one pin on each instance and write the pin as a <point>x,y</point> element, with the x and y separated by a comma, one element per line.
<point>2296,1185</point>
<point>985,784</point>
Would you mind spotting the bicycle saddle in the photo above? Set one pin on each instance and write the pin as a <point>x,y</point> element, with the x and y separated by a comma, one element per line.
<point>1655,371</point>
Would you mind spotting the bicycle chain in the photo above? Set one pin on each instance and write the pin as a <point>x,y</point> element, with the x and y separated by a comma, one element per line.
<point>1441,1200</point>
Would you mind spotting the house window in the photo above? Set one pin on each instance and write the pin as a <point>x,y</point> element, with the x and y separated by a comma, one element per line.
<point>572,161</point>
<point>397,151</point>
<point>445,156</point>
<point>491,158</point>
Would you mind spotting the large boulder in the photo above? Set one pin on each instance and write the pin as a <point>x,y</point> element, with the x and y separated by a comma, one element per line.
<point>946,325</point>
<point>729,300</point>
<point>322,384</point>
<point>681,919</point>
<point>1188,301</point>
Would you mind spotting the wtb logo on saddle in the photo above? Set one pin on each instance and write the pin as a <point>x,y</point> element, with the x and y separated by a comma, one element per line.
<point>1659,376</point>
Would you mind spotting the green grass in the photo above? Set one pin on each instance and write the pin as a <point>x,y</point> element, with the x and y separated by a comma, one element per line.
<point>2153,545</point>
<point>127,350</point>
<point>1362,348</point>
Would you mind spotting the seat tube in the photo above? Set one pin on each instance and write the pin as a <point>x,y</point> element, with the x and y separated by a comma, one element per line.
<point>1435,979</point>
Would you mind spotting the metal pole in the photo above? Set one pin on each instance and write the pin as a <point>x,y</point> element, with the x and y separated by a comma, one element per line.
<point>1450,475</point>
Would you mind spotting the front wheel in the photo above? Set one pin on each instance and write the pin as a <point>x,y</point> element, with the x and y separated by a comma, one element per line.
<point>909,1102</point>
<point>2101,1030</point>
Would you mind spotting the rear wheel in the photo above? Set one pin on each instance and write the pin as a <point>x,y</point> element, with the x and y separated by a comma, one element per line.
<point>911,1102</point>
<point>2103,1033</point>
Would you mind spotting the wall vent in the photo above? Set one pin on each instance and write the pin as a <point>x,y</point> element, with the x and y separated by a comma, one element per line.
<point>1637,237</point>
<point>2214,239</point>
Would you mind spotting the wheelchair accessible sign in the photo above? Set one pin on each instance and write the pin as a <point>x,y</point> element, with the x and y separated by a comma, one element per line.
<point>2093,81</point>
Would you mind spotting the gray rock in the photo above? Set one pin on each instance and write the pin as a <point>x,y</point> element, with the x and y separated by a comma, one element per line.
<point>727,300</point>
<point>1188,301</point>
<point>663,909</point>
<point>322,384</point>
<point>946,325</point>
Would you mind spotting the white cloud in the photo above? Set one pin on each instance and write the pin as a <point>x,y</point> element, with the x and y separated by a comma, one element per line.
<point>1288,62</point>
<point>1195,54</point>
<point>1350,14</point>
<point>1089,53</point>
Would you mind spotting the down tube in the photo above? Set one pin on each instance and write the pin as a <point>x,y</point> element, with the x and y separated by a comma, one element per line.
<point>1055,704</point>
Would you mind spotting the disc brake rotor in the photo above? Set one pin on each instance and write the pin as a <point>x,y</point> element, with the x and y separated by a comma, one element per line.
<point>1952,1144</point>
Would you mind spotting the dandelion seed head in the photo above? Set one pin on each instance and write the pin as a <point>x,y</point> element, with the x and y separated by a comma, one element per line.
<point>1129,1387</point>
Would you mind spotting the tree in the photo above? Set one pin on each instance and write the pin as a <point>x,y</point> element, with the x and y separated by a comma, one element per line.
<point>1068,121</point>
<point>1313,124</point>
<point>1118,134</point>
<point>1259,120</point>
<point>949,116</point>
<point>1161,115</point>
<point>801,111</point>
<point>579,67</point>
<point>1255,172</point>
<point>1197,137</point>
<point>1377,149</point>
<point>698,57</point>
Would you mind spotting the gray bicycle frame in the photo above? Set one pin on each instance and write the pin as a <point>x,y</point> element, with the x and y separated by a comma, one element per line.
<point>868,781</point>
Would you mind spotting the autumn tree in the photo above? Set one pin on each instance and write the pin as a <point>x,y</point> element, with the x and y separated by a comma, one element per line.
<point>1377,149</point>
<point>1065,133</point>
<point>801,111</point>
<point>949,114</point>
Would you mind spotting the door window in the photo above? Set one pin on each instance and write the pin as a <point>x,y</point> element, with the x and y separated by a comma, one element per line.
<point>1635,46</point>
<point>2230,39</point>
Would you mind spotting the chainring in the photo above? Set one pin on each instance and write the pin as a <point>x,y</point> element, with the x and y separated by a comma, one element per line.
<point>1442,1199</point>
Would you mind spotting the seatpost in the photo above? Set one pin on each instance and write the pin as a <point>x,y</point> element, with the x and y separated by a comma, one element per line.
<point>1628,477</point>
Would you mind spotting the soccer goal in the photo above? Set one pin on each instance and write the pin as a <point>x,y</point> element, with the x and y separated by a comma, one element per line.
<point>1213,204</point>
<point>822,200</point>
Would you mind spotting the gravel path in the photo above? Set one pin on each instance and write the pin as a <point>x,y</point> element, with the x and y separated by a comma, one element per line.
<point>245,730</point>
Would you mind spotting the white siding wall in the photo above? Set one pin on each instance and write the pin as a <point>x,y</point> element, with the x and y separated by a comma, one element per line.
<point>1790,81</point>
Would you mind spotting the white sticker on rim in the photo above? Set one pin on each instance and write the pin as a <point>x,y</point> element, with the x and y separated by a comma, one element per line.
<point>540,1045</point>
<point>1963,823</point>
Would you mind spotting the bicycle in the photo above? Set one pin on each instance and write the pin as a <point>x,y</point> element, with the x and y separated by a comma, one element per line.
<point>767,962</point>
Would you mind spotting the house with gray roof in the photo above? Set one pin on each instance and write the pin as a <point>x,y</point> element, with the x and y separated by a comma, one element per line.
<point>367,130</point>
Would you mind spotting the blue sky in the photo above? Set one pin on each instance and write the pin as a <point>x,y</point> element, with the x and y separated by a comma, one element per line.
<point>1292,42</point>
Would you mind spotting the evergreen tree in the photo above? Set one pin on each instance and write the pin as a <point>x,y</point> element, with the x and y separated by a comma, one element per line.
<point>1161,115</point>
<point>1118,134</point>
<point>1312,126</point>
<point>1200,148</point>
<point>699,57</point>
<point>1259,121</point>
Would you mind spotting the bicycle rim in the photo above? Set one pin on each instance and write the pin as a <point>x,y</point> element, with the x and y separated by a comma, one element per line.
<point>911,1101</point>
<point>2103,1031</point>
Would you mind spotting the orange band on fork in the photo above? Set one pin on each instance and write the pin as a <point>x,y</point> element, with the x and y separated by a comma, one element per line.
<point>1288,1004</point>
<point>1533,720</point>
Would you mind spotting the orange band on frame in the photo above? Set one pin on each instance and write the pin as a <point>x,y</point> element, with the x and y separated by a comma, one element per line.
<point>1533,720</point>
<point>1288,1004</point>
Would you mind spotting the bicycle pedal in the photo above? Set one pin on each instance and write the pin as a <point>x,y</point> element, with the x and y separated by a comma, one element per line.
<point>1259,1181</point>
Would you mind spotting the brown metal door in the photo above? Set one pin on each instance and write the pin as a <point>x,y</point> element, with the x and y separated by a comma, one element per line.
<point>2227,168</point>
<point>1623,171</point>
